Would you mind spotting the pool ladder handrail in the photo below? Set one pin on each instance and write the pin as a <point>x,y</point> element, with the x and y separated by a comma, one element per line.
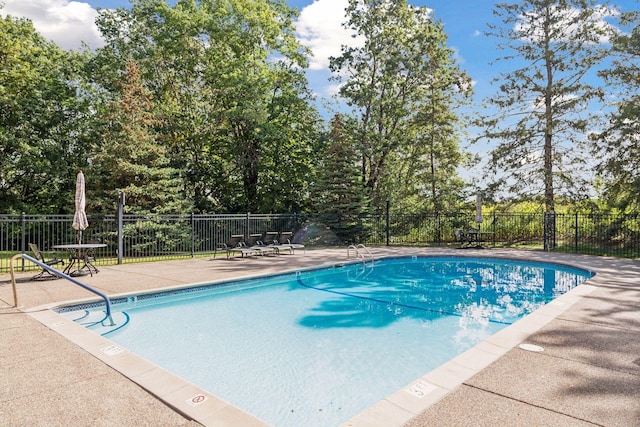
<point>359,254</point>
<point>59,274</point>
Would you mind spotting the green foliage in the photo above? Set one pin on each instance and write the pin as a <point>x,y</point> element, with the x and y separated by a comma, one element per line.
<point>203,106</point>
<point>41,121</point>
<point>618,146</point>
<point>339,192</point>
<point>403,86</point>
<point>539,125</point>
<point>153,235</point>
<point>227,80</point>
<point>130,160</point>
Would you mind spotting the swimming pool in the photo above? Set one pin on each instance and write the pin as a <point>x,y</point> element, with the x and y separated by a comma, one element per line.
<point>349,335</point>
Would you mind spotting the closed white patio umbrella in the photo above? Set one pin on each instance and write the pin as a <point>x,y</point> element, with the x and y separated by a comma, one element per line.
<point>80,221</point>
<point>478,208</point>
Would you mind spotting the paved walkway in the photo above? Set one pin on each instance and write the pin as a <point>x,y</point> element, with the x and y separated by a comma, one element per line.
<point>588,373</point>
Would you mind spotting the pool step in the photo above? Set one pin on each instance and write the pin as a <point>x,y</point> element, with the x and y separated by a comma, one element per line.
<point>97,320</point>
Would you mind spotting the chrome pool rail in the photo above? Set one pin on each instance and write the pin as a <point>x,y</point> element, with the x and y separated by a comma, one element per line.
<point>59,274</point>
<point>360,255</point>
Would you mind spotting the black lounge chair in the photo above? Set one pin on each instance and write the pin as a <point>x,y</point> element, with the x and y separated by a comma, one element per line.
<point>245,248</point>
<point>44,274</point>
<point>269,238</point>
<point>235,241</point>
<point>258,243</point>
<point>248,247</point>
<point>284,242</point>
<point>270,242</point>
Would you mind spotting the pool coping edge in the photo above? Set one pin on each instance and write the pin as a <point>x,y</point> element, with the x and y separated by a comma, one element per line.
<point>410,401</point>
<point>394,410</point>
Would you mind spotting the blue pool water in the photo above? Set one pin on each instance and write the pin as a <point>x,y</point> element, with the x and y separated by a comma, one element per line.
<point>315,348</point>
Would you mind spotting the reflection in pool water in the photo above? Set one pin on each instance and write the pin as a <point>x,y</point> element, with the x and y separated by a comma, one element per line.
<point>315,348</point>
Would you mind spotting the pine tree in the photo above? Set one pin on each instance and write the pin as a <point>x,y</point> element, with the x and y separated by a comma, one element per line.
<point>389,81</point>
<point>618,146</point>
<point>542,106</point>
<point>340,193</point>
<point>130,160</point>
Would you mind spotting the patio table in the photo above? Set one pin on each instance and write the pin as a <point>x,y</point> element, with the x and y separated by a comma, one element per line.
<point>79,255</point>
<point>478,237</point>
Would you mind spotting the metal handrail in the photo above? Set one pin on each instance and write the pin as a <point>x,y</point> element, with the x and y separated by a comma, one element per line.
<point>60,274</point>
<point>358,254</point>
<point>362,246</point>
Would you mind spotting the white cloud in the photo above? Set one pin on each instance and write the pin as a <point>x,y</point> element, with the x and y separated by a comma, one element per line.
<point>66,23</point>
<point>565,27</point>
<point>456,55</point>
<point>319,27</point>
<point>333,89</point>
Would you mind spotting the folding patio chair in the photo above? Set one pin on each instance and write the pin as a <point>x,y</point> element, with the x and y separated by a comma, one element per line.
<point>44,274</point>
<point>462,237</point>
<point>90,256</point>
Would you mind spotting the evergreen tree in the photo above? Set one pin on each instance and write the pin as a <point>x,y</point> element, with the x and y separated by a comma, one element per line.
<point>428,178</point>
<point>619,144</point>
<point>130,160</point>
<point>227,78</point>
<point>542,107</point>
<point>339,193</point>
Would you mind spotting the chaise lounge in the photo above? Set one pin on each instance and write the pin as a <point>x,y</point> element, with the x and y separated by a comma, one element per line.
<point>252,246</point>
<point>284,242</point>
<point>232,245</point>
<point>258,243</point>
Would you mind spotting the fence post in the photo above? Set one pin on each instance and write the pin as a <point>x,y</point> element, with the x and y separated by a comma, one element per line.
<point>248,226</point>
<point>193,235</point>
<point>387,231</point>
<point>23,232</point>
<point>121,202</point>
<point>576,234</point>
<point>493,234</point>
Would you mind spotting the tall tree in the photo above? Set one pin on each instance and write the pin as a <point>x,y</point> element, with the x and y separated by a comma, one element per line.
<point>227,79</point>
<point>619,144</point>
<point>130,159</point>
<point>542,106</point>
<point>428,171</point>
<point>339,192</point>
<point>388,81</point>
<point>41,118</point>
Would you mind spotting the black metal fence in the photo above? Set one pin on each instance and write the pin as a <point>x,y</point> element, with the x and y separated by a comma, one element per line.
<point>155,237</point>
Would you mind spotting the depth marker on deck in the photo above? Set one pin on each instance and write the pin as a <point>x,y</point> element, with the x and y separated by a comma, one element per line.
<point>112,350</point>
<point>421,389</point>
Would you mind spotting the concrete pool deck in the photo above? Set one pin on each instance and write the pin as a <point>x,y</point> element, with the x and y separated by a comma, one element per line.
<point>588,373</point>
